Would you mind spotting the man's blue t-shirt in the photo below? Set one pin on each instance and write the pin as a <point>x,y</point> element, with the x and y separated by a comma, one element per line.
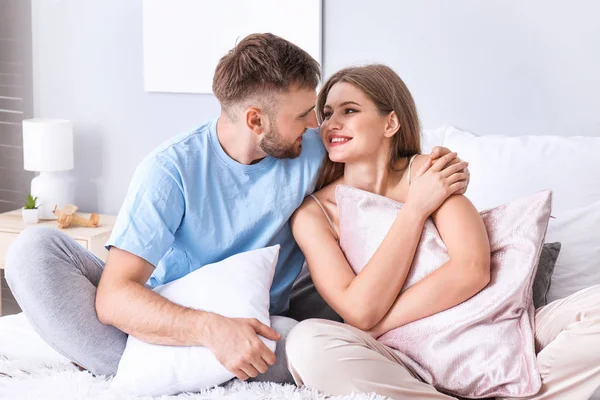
<point>189,204</point>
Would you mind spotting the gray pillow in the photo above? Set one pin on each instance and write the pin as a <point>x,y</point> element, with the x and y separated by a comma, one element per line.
<point>306,302</point>
<point>543,277</point>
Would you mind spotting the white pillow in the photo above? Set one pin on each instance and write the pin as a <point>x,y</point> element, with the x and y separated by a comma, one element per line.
<point>431,138</point>
<point>237,287</point>
<point>507,167</point>
<point>578,263</point>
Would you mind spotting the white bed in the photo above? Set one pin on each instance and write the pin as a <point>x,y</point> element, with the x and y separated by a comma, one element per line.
<point>502,168</point>
<point>498,67</point>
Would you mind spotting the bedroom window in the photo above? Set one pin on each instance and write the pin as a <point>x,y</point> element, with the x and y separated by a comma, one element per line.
<point>16,99</point>
<point>16,104</point>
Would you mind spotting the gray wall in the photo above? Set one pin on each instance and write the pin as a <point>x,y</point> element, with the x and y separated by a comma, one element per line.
<point>493,67</point>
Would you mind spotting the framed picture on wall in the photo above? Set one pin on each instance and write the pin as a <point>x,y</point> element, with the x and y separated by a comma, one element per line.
<point>184,39</point>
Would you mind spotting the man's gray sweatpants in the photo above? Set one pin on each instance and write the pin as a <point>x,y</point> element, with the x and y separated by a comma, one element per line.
<point>54,280</point>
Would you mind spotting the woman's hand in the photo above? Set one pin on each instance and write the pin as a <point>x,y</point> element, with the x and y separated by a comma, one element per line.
<point>429,190</point>
<point>436,153</point>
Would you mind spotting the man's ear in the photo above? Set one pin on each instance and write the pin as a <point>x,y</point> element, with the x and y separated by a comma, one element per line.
<point>255,120</point>
<point>392,125</point>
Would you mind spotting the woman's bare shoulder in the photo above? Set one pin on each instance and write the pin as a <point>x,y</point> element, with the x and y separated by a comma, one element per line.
<point>419,161</point>
<point>327,193</point>
<point>309,219</point>
<point>310,207</point>
<point>310,211</point>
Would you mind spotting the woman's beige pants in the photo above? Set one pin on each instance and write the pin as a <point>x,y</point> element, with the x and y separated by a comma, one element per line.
<point>339,359</point>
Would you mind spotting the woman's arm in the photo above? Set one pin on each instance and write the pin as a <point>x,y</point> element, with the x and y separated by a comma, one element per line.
<point>461,277</point>
<point>363,299</point>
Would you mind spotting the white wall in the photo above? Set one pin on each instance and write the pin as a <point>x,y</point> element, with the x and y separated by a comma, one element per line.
<point>493,67</point>
<point>88,68</point>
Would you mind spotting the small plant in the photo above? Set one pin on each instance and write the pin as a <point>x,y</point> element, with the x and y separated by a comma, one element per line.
<point>31,203</point>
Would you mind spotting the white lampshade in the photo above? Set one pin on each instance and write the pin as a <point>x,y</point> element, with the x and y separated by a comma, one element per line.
<point>47,144</point>
<point>48,149</point>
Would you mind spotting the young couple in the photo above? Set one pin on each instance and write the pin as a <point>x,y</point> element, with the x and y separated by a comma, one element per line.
<point>243,182</point>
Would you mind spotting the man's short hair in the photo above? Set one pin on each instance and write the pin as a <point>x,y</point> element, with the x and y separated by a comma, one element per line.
<point>260,64</point>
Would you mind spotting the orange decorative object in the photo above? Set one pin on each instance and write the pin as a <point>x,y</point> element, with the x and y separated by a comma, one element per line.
<point>67,217</point>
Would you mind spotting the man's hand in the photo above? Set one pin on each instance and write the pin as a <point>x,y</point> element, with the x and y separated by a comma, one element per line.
<point>236,345</point>
<point>436,153</point>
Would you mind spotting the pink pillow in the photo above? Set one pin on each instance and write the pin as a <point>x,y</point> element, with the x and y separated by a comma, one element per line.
<point>483,347</point>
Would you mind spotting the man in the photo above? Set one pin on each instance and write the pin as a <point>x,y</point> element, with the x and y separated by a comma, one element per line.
<point>228,187</point>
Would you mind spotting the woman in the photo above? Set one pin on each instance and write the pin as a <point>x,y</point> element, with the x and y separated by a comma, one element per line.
<point>370,128</point>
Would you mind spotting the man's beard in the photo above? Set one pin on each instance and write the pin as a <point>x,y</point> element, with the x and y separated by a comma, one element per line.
<point>275,146</point>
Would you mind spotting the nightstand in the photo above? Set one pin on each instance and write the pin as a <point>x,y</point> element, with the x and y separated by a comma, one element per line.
<point>93,239</point>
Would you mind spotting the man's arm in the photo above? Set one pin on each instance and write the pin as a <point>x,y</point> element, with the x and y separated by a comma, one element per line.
<point>123,301</point>
<point>145,229</point>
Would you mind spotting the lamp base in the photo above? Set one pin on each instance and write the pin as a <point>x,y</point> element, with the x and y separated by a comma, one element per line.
<point>52,189</point>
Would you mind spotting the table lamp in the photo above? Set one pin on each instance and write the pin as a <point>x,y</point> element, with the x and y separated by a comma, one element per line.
<point>48,149</point>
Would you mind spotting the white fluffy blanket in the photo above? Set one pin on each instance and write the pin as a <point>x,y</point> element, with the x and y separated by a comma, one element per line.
<point>30,369</point>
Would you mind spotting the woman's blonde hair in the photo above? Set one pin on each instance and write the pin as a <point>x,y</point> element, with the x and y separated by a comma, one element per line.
<point>389,93</point>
